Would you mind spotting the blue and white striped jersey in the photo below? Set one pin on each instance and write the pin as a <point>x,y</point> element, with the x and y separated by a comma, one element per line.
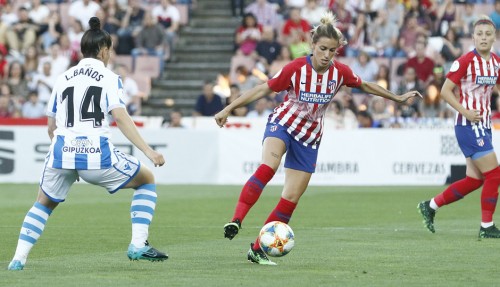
<point>81,102</point>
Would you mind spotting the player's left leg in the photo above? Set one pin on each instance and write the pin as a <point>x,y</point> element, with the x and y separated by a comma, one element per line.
<point>488,165</point>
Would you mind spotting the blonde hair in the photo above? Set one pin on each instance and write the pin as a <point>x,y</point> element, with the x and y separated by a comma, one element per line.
<point>484,20</point>
<point>327,29</point>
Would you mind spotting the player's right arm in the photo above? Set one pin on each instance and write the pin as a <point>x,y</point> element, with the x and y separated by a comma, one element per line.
<point>247,97</point>
<point>128,128</point>
<point>448,95</point>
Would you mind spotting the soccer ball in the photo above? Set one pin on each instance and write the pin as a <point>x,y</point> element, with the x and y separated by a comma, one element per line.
<point>276,239</point>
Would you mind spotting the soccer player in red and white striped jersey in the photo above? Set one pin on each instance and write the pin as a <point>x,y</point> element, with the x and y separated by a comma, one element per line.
<point>474,74</point>
<point>296,126</point>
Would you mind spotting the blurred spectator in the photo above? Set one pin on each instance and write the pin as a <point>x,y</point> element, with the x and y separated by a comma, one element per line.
<point>208,103</point>
<point>132,96</point>
<point>43,82</point>
<point>265,13</point>
<point>365,67</point>
<point>410,82</point>
<point>248,35</point>
<point>4,66</point>
<point>495,15</point>
<point>175,120</point>
<point>33,108</point>
<point>130,27</point>
<point>448,17</point>
<point>381,112</point>
<point>268,48</point>
<point>59,62</point>
<point>358,37</point>
<point>423,15</point>
<point>365,120</point>
<point>21,34</point>
<point>261,109</point>
<point>168,16</point>
<point>395,12</point>
<point>383,78</point>
<point>312,12</point>
<point>432,106</point>
<point>150,41</point>
<point>384,35</point>
<point>468,17</point>
<point>408,37</point>
<point>421,63</point>
<point>245,79</point>
<point>344,22</point>
<point>17,82</point>
<point>342,118</point>
<point>5,108</point>
<point>300,4</point>
<point>295,29</point>
<point>9,15</point>
<point>54,30</point>
<point>39,13</point>
<point>283,58</point>
<point>113,16</point>
<point>235,93</point>
<point>452,48</point>
<point>82,11</point>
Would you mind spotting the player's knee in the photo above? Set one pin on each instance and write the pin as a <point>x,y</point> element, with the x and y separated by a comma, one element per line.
<point>493,175</point>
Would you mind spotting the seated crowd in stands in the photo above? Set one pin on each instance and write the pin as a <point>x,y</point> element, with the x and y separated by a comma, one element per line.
<point>401,44</point>
<point>40,39</point>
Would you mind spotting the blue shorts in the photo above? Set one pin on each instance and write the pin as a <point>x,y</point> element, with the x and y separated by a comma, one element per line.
<point>474,142</point>
<point>298,156</point>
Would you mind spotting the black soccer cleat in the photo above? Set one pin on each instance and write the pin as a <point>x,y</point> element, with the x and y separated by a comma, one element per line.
<point>232,228</point>
<point>428,214</point>
<point>145,253</point>
<point>489,232</point>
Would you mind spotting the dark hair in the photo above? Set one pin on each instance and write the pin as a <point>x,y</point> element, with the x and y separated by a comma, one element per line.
<point>94,39</point>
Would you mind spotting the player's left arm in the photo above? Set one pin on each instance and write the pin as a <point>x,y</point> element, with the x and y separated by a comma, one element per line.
<point>376,89</point>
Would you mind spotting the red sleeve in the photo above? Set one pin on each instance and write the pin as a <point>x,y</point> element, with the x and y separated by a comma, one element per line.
<point>458,69</point>
<point>283,79</point>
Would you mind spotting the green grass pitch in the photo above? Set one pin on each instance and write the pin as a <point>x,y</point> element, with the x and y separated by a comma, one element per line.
<point>345,236</point>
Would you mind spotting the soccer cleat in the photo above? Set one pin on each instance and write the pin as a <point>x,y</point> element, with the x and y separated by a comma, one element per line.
<point>145,253</point>
<point>15,265</point>
<point>428,214</point>
<point>232,228</point>
<point>258,256</point>
<point>489,232</point>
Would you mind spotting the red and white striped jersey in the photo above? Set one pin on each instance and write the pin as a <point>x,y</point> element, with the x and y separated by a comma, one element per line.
<point>475,78</point>
<point>308,97</point>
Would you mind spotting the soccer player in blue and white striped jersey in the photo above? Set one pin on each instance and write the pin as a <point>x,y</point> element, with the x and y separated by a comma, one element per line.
<point>79,112</point>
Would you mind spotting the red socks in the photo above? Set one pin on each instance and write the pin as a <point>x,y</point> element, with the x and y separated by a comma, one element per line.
<point>489,195</point>
<point>251,191</point>
<point>457,190</point>
<point>282,212</point>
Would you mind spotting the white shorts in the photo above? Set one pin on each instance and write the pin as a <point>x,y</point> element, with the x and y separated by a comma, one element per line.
<point>55,183</point>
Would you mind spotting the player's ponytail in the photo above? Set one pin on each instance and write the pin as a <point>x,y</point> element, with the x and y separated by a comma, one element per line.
<point>94,39</point>
<point>327,28</point>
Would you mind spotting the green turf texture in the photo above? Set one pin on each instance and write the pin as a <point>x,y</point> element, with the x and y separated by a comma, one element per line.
<point>345,236</point>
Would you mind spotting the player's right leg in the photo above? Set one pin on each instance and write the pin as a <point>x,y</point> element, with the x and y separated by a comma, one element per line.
<point>54,187</point>
<point>273,150</point>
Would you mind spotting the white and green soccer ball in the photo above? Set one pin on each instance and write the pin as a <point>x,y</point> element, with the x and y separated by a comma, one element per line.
<point>276,239</point>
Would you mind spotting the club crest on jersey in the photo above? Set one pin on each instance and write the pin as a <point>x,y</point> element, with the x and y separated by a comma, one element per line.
<point>480,142</point>
<point>332,85</point>
<point>274,128</point>
<point>486,80</point>
<point>315,98</point>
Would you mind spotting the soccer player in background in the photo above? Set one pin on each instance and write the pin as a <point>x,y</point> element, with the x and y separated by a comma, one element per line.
<point>296,126</point>
<point>78,126</point>
<point>475,74</point>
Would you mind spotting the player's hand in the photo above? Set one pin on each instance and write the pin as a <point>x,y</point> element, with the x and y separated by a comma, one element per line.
<point>221,118</point>
<point>155,157</point>
<point>403,98</point>
<point>474,116</point>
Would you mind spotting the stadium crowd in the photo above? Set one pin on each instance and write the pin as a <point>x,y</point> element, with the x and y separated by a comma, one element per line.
<point>401,45</point>
<point>41,39</point>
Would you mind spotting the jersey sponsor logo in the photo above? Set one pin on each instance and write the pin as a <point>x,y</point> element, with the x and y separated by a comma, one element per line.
<point>486,80</point>
<point>81,146</point>
<point>315,98</point>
